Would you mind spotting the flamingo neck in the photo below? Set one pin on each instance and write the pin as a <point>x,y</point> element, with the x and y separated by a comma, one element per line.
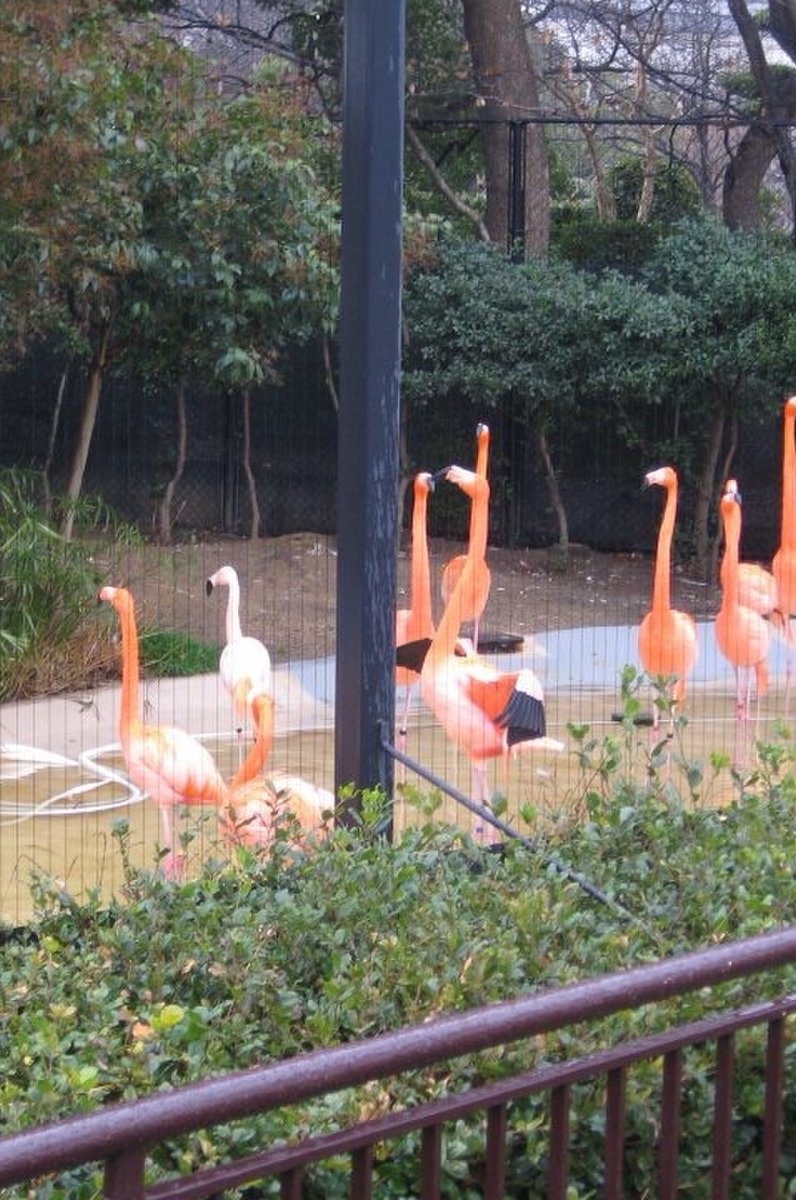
<point>444,644</point>
<point>729,566</point>
<point>128,712</point>
<point>788,526</point>
<point>420,580</point>
<point>661,586</point>
<point>234,631</point>
<point>479,524</point>
<point>481,460</point>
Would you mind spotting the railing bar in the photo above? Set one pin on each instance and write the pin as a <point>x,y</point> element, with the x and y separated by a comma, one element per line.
<point>291,1184</point>
<point>449,1108</point>
<point>614,1135</point>
<point>722,1118</point>
<point>496,1130</point>
<point>669,1142</point>
<point>124,1177</point>
<point>95,1136</point>
<point>772,1119</point>
<point>558,1167</point>
<point>362,1173</point>
<point>430,1163</point>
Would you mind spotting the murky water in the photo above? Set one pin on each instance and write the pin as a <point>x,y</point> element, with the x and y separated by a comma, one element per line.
<point>58,818</point>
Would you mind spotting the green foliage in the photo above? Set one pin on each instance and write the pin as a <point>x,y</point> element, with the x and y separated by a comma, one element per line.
<point>48,591</point>
<point>168,652</point>
<point>675,195</point>
<point>282,952</point>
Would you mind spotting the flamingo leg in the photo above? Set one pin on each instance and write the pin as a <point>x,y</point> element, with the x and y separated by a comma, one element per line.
<point>480,794</point>
<point>172,864</point>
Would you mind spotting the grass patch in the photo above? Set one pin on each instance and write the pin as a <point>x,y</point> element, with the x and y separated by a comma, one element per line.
<point>168,652</point>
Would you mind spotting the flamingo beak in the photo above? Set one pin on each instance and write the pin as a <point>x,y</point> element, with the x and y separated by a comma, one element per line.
<point>209,587</point>
<point>441,474</point>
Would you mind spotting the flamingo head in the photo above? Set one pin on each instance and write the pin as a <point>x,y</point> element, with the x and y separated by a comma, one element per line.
<point>663,477</point>
<point>790,408</point>
<point>118,597</point>
<point>425,482</point>
<point>731,488</point>
<point>223,577</point>
<point>473,485</point>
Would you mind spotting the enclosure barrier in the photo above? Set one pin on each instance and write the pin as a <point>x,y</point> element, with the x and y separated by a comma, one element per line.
<point>121,1135</point>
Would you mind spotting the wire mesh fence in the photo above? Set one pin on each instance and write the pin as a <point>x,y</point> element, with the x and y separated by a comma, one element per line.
<point>570,618</point>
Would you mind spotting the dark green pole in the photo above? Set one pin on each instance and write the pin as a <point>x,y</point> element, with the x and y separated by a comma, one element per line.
<point>370,344</point>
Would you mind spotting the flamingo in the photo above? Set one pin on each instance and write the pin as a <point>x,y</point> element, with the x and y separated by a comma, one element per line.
<point>784,565</point>
<point>667,639</point>
<point>249,817</point>
<point>742,635</point>
<point>477,538</point>
<point>757,587</point>
<point>415,624</point>
<point>245,664</point>
<point>165,762</point>
<point>486,713</point>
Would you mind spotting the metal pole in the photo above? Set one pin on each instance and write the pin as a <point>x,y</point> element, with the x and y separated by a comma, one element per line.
<point>518,137</point>
<point>367,494</point>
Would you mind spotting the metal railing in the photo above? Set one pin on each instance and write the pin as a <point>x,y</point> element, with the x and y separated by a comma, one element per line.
<point>122,1135</point>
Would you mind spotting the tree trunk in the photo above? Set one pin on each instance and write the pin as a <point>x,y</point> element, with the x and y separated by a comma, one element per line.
<point>54,423</point>
<point>706,488</point>
<point>164,508</point>
<point>507,88</point>
<point>87,421</point>
<point>251,484</point>
<point>554,492</point>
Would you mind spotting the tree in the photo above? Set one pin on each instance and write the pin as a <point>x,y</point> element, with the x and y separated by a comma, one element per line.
<point>736,293</point>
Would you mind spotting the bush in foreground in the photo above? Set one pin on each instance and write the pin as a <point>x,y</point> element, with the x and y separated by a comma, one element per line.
<point>282,953</point>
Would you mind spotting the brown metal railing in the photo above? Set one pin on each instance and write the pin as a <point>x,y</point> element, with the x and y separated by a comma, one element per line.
<point>121,1136</point>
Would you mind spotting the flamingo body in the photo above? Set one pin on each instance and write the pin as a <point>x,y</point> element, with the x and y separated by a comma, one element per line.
<point>166,762</point>
<point>667,637</point>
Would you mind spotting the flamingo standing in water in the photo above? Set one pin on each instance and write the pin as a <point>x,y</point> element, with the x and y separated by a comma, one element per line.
<point>245,664</point>
<point>667,638</point>
<point>475,603</point>
<point>742,635</point>
<point>415,624</point>
<point>486,713</point>
<point>165,762</point>
<point>784,565</point>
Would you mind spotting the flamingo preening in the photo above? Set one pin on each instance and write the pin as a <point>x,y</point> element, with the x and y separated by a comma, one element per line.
<point>415,623</point>
<point>165,762</point>
<point>742,635</point>
<point>486,713</point>
<point>245,664</point>
<point>784,565</point>
<point>667,638</point>
<point>475,602</point>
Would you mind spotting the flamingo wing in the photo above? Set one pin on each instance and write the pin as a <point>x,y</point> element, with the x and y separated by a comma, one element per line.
<point>173,766</point>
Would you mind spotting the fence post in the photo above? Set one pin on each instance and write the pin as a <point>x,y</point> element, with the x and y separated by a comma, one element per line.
<point>367,489</point>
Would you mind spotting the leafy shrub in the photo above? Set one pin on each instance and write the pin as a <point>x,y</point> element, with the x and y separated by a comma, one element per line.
<point>281,952</point>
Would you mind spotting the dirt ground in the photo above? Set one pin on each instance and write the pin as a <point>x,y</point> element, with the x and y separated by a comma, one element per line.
<point>288,589</point>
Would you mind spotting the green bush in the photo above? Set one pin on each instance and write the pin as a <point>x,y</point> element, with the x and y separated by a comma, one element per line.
<point>280,953</point>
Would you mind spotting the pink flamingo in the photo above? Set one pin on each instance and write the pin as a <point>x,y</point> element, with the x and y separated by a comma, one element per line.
<point>784,564</point>
<point>757,587</point>
<point>742,635</point>
<point>166,762</point>
<point>249,817</point>
<point>415,624</point>
<point>245,664</point>
<point>475,603</point>
<point>667,638</point>
<point>486,713</point>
